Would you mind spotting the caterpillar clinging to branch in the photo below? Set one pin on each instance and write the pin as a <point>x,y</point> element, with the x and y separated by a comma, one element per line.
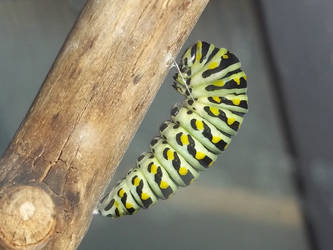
<point>201,127</point>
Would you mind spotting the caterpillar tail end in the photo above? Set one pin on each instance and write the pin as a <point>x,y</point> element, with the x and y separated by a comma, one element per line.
<point>107,207</point>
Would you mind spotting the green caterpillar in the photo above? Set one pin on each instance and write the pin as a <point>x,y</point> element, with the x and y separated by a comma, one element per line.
<point>201,127</point>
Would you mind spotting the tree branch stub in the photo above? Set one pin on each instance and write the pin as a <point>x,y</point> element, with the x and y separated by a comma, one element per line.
<point>27,217</point>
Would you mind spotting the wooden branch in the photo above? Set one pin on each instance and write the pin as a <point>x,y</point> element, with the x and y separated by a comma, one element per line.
<point>86,113</point>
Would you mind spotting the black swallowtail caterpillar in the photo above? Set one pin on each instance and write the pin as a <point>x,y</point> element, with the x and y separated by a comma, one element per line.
<point>201,127</point>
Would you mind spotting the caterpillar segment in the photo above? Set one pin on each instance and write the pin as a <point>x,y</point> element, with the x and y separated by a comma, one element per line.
<point>158,178</point>
<point>178,168</point>
<point>215,91</point>
<point>223,119</point>
<point>187,146</point>
<point>205,132</point>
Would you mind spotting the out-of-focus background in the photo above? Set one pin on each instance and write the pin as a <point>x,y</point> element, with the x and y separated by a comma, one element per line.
<point>273,187</point>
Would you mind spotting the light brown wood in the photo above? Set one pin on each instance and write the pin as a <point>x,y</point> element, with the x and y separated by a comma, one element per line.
<point>86,113</point>
<point>29,212</point>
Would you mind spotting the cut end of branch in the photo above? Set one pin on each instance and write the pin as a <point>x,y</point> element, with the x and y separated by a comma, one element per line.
<point>27,217</point>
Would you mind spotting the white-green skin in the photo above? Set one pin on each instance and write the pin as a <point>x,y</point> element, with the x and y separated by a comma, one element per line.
<point>200,128</point>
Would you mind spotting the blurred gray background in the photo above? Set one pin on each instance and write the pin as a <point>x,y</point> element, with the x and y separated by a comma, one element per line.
<point>272,188</point>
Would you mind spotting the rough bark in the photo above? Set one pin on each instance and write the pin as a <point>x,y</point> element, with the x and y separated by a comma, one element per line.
<point>87,111</point>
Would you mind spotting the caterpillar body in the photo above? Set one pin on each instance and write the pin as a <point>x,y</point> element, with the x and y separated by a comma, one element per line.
<point>215,90</point>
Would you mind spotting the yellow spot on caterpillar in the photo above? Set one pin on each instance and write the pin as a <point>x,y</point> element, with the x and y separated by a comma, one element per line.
<point>214,110</point>
<point>116,204</point>
<point>230,120</point>
<point>198,57</point>
<point>153,169</point>
<point>170,155</point>
<point>213,65</point>
<point>144,196</point>
<point>199,125</point>
<point>199,155</point>
<point>219,83</point>
<point>216,99</point>
<point>128,205</point>
<point>182,171</point>
<point>245,78</point>
<point>184,139</point>
<point>211,163</point>
<point>216,139</point>
<point>236,101</point>
<point>164,185</point>
<point>237,80</point>
<point>225,56</point>
<point>121,193</point>
<point>136,181</point>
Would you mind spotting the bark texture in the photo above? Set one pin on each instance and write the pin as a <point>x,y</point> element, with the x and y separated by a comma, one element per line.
<point>87,111</point>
